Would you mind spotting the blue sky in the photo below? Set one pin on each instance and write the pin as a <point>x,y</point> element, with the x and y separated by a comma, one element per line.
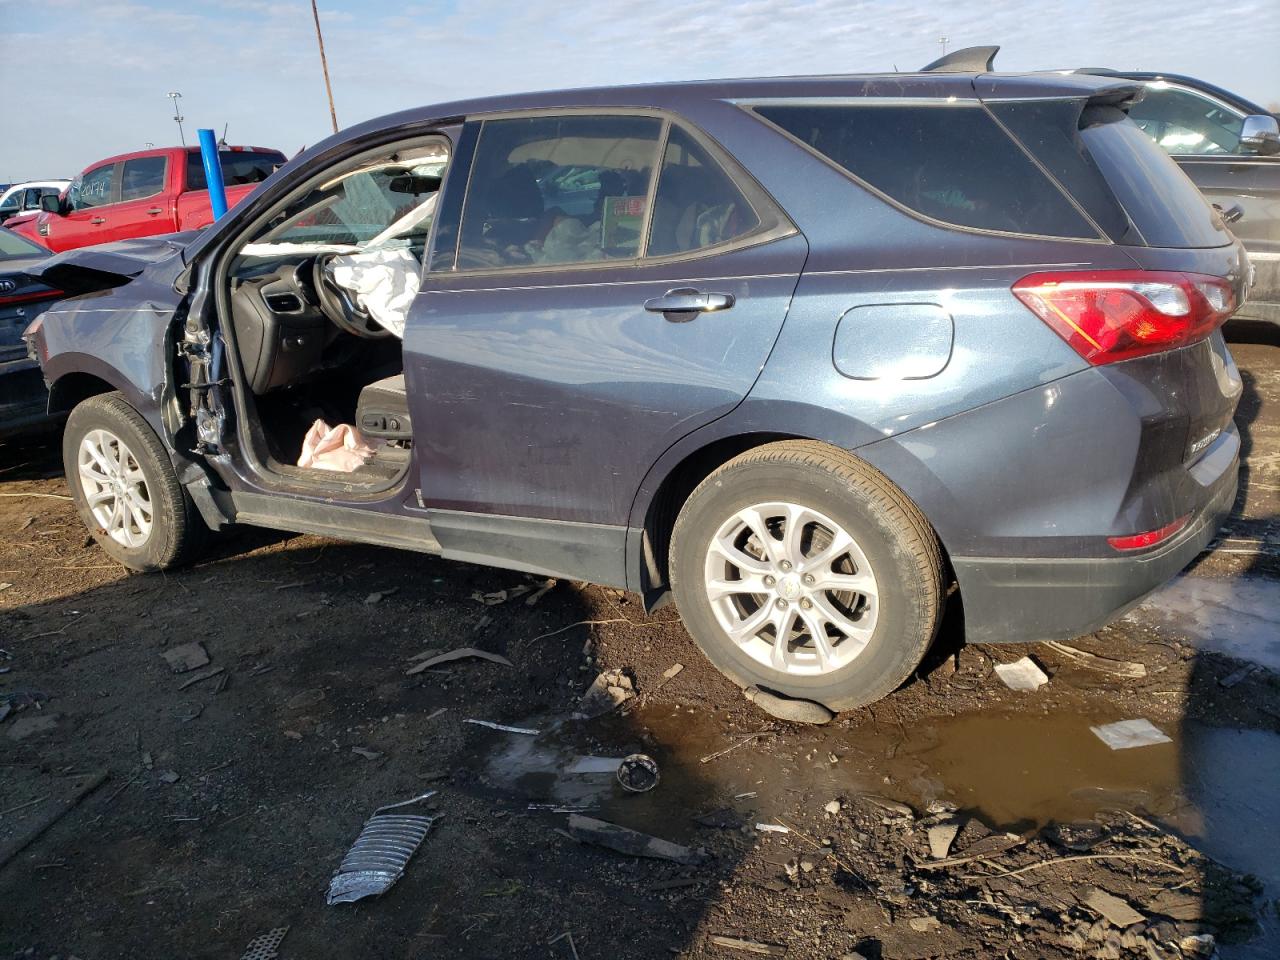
<point>85,79</point>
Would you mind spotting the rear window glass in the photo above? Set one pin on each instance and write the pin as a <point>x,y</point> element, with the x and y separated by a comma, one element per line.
<point>1163,204</point>
<point>950,163</point>
<point>238,167</point>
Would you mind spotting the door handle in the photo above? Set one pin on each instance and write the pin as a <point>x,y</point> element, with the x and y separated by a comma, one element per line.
<point>154,210</point>
<point>684,303</point>
<point>97,220</point>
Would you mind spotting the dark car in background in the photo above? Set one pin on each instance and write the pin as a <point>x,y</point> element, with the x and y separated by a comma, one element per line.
<point>801,352</point>
<point>23,398</point>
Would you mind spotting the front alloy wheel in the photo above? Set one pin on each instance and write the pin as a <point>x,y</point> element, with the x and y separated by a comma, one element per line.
<point>115,488</point>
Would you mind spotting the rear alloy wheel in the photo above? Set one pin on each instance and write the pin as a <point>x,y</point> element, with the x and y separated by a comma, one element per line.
<point>802,570</point>
<point>792,588</point>
<point>124,486</point>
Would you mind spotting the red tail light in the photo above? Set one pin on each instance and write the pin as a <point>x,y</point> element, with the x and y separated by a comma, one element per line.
<point>29,297</point>
<point>1140,541</point>
<point>1111,315</point>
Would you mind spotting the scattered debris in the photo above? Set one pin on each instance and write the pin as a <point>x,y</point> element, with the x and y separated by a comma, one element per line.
<point>5,586</point>
<point>772,828</point>
<point>631,842</point>
<point>379,595</point>
<point>503,727</point>
<point>891,807</point>
<point>607,692</point>
<point>1081,837</point>
<point>381,852</point>
<point>1126,734</point>
<point>366,753</point>
<point>1119,668</point>
<point>832,807</point>
<point>749,946</point>
<point>784,708</point>
<point>461,653</point>
<point>1198,945</point>
<point>305,698</point>
<point>941,836</point>
<point>542,591</point>
<point>573,950</point>
<point>293,735</point>
<point>1177,905</point>
<point>186,656</point>
<point>29,726</point>
<point>1024,674</point>
<point>749,738</point>
<point>586,765</point>
<point>201,676</point>
<point>638,773</point>
<point>170,776</point>
<point>923,924</point>
<point>265,946</point>
<point>49,813</point>
<point>1237,676</point>
<point>500,596</point>
<point>1112,908</point>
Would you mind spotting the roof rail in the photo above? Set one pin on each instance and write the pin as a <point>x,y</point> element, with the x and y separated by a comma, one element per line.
<point>965,60</point>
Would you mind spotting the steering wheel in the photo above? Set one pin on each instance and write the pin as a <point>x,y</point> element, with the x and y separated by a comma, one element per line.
<point>340,306</point>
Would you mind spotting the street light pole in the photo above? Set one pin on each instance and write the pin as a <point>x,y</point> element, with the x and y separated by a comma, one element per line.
<point>324,65</point>
<point>177,116</point>
<point>943,41</point>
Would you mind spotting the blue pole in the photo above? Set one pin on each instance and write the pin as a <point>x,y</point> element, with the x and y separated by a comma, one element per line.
<point>213,173</point>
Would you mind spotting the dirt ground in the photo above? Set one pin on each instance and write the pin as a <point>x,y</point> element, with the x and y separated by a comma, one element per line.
<point>229,800</point>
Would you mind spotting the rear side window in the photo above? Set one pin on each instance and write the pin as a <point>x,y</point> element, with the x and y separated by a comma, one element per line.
<point>142,177</point>
<point>697,205</point>
<point>950,163</point>
<point>1164,205</point>
<point>557,190</point>
<point>238,167</point>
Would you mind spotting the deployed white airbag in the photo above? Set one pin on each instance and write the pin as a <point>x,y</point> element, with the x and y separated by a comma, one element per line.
<point>384,282</point>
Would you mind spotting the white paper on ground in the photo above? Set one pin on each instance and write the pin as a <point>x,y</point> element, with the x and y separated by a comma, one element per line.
<point>1021,674</point>
<point>1126,734</point>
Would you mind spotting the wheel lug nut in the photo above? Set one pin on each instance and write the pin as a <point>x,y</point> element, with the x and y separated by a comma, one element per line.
<point>785,564</point>
<point>780,604</point>
<point>769,581</point>
<point>806,603</point>
<point>809,579</point>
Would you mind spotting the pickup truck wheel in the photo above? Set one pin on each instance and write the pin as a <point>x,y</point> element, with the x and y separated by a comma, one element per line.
<point>124,487</point>
<point>802,570</point>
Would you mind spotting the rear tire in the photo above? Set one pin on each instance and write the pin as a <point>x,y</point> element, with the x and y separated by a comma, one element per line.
<point>125,489</point>
<point>849,561</point>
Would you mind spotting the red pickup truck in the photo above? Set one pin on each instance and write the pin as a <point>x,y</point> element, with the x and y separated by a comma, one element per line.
<point>141,194</point>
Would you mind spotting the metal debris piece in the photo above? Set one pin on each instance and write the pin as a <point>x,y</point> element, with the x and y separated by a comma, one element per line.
<point>202,675</point>
<point>772,828</point>
<point>585,765</point>
<point>1119,668</point>
<point>265,946</point>
<point>186,656</point>
<point>749,946</point>
<point>785,708</point>
<point>631,842</point>
<point>1024,674</point>
<point>460,654</point>
<point>503,727</point>
<point>638,773</point>
<point>1127,734</point>
<point>1112,908</point>
<point>380,854</point>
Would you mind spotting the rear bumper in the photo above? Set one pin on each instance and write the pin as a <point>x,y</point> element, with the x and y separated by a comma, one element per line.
<point>24,400</point>
<point>1026,600</point>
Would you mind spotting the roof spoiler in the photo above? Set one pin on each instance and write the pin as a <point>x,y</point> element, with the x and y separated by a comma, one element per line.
<point>965,60</point>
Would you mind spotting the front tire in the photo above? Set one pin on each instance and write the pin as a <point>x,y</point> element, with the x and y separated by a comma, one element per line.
<point>800,569</point>
<point>124,487</point>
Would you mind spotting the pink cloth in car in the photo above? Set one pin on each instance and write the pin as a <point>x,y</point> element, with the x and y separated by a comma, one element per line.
<point>342,448</point>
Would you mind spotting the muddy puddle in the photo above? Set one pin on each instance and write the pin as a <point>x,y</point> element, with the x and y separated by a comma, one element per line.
<point>1213,786</point>
<point>1238,616</point>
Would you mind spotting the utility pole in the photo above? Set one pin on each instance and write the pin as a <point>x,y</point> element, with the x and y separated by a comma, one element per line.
<point>175,97</point>
<point>943,41</point>
<point>324,65</point>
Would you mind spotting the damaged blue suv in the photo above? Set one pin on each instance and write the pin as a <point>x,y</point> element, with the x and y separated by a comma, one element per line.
<point>803,353</point>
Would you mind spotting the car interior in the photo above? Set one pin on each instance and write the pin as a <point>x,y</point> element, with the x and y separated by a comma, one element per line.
<point>318,298</point>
